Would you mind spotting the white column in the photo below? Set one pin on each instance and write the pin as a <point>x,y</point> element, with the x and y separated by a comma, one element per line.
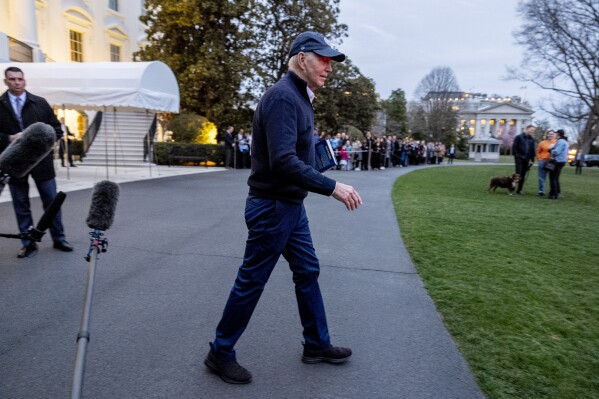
<point>477,132</point>
<point>518,126</point>
<point>487,128</point>
<point>22,21</point>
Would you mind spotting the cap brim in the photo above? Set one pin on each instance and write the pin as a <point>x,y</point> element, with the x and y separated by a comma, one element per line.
<point>332,54</point>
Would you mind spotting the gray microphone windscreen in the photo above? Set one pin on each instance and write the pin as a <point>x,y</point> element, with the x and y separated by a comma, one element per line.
<point>103,205</point>
<point>24,153</point>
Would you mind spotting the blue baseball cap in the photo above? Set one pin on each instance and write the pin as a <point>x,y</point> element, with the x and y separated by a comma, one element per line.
<point>316,43</point>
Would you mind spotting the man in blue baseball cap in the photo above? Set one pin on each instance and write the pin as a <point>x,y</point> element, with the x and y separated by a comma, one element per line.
<point>316,43</point>
<point>283,173</point>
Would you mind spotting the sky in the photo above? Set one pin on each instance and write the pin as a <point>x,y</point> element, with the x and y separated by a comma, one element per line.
<point>397,42</point>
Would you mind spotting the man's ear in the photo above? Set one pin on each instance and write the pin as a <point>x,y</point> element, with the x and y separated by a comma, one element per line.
<point>301,60</point>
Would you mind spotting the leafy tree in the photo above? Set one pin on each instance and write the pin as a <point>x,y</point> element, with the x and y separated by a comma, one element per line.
<point>187,128</point>
<point>204,42</point>
<point>396,109</point>
<point>561,38</point>
<point>348,99</point>
<point>276,23</point>
<point>225,54</point>
<point>435,112</point>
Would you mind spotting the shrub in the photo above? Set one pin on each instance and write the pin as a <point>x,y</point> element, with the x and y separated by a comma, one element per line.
<point>186,127</point>
<point>461,155</point>
<point>215,152</point>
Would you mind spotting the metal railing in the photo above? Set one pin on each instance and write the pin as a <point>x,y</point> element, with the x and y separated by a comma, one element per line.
<point>149,139</point>
<point>91,132</point>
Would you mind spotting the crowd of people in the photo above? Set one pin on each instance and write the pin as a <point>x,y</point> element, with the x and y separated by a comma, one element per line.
<point>237,148</point>
<point>370,153</point>
<point>381,152</point>
<point>378,153</point>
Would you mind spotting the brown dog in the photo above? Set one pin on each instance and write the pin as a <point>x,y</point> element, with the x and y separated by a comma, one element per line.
<point>509,182</point>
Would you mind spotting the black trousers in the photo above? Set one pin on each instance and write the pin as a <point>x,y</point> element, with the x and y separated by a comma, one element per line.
<point>554,180</point>
<point>61,153</point>
<point>522,166</point>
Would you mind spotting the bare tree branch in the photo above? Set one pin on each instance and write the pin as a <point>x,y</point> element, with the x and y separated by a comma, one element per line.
<point>561,38</point>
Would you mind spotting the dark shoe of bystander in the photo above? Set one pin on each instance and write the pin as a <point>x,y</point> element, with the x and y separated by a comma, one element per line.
<point>63,245</point>
<point>331,354</point>
<point>228,370</point>
<point>28,251</point>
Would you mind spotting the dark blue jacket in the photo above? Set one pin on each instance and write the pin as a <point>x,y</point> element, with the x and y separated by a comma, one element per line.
<point>283,144</point>
<point>524,147</point>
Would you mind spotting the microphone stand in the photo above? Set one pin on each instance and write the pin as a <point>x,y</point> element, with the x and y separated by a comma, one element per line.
<point>97,245</point>
<point>36,233</point>
<point>32,234</point>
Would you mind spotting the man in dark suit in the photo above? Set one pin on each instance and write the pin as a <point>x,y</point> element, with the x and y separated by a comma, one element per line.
<point>228,138</point>
<point>61,145</point>
<point>18,110</point>
<point>524,150</point>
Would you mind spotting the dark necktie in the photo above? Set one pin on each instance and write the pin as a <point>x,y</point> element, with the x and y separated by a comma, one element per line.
<point>19,105</point>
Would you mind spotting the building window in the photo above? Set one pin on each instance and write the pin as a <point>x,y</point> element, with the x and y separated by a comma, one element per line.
<point>76,39</point>
<point>113,5</point>
<point>115,53</point>
<point>19,51</point>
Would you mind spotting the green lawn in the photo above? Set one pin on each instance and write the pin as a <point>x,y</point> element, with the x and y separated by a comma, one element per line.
<point>516,278</point>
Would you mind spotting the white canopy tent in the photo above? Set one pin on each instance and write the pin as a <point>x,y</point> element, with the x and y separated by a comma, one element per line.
<point>97,86</point>
<point>94,85</point>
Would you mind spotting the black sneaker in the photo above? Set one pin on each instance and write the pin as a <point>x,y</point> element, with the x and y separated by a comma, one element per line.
<point>229,370</point>
<point>332,355</point>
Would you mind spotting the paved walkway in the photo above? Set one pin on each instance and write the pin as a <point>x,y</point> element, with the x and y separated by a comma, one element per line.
<point>175,246</point>
<point>82,176</point>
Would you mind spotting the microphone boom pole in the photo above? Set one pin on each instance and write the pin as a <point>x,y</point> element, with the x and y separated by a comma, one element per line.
<point>97,245</point>
<point>100,217</point>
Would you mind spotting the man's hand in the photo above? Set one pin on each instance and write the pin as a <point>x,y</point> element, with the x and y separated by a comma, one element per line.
<point>348,195</point>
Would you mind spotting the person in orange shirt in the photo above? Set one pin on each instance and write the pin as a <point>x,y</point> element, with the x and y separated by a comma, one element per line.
<point>543,155</point>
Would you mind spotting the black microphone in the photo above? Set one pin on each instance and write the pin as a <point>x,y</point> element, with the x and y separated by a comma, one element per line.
<point>103,205</point>
<point>36,233</point>
<point>28,150</point>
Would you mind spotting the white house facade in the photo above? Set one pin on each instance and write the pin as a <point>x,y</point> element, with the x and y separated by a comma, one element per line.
<point>493,126</point>
<point>70,30</point>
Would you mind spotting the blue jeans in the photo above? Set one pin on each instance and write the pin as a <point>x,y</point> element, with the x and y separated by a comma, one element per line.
<point>275,228</point>
<point>22,207</point>
<point>542,175</point>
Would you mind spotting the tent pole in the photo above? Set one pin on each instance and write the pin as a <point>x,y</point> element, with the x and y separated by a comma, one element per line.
<point>149,144</point>
<point>105,143</point>
<point>114,139</point>
<point>65,139</point>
